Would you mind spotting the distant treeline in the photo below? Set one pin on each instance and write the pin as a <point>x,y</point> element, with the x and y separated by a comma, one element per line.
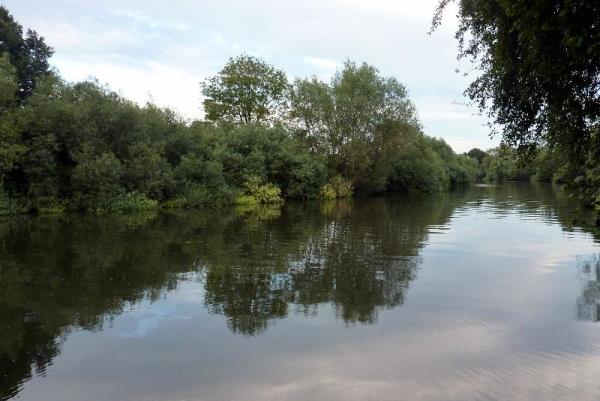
<point>504,163</point>
<point>80,146</point>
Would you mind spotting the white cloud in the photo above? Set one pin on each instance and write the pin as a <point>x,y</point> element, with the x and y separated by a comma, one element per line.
<point>150,21</point>
<point>323,68</point>
<point>191,40</point>
<point>159,83</point>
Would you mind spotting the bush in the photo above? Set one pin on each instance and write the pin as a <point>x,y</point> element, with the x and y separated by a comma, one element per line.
<point>133,202</point>
<point>7,205</point>
<point>97,180</point>
<point>419,172</point>
<point>52,206</point>
<point>255,192</point>
<point>343,188</point>
<point>199,195</point>
<point>327,192</point>
<point>338,187</point>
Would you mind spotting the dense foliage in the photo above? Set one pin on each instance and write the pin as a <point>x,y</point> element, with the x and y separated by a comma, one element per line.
<point>80,146</point>
<point>504,163</point>
<point>538,76</point>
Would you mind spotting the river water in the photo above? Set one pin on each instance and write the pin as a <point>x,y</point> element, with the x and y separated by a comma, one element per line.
<point>486,294</point>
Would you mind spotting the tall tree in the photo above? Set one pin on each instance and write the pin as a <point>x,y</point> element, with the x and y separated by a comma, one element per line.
<point>28,53</point>
<point>538,68</point>
<point>355,120</point>
<point>476,154</point>
<point>246,90</point>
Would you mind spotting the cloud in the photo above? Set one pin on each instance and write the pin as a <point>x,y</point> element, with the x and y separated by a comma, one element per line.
<point>157,82</point>
<point>325,67</point>
<point>147,20</point>
<point>192,40</point>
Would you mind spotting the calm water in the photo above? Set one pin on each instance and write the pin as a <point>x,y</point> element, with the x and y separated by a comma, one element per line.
<point>482,295</point>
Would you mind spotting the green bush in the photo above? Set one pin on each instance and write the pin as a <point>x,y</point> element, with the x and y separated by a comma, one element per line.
<point>415,172</point>
<point>343,187</point>
<point>255,192</point>
<point>338,187</point>
<point>327,191</point>
<point>7,205</point>
<point>198,196</point>
<point>177,203</point>
<point>96,180</point>
<point>133,202</point>
<point>52,206</point>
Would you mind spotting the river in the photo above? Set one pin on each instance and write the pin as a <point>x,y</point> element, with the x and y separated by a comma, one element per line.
<point>485,294</point>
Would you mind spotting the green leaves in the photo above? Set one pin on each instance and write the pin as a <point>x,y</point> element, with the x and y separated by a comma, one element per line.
<point>540,75</point>
<point>246,90</point>
<point>28,54</point>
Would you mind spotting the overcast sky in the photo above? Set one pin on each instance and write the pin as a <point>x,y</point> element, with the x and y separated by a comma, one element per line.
<point>161,50</point>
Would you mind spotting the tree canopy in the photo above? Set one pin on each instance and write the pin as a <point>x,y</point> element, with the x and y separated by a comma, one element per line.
<point>538,77</point>
<point>28,53</point>
<point>80,146</point>
<point>539,67</point>
<point>247,90</point>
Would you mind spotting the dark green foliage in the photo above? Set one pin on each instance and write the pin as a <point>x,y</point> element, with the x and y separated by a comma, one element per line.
<point>97,180</point>
<point>538,77</point>
<point>358,121</point>
<point>28,54</point>
<point>83,147</point>
<point>476,154</point>
<point>508,164</point>
<point>419,169</point>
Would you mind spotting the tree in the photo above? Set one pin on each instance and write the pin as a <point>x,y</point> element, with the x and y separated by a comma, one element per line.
<point>246,90</point>
<point>538,76</point>
<point>29,54</point>
<point>476,154</point>
<point>8,83</point>
<point>539,65</point>
<point>356,121</point>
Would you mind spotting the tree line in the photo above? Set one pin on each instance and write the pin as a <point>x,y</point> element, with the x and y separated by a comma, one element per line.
<point>80,146</point>
<point>504,163</point>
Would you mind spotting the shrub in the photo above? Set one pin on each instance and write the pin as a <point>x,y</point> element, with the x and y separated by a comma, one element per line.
<point>255,192</point>
<point>96,180</point>
<point>176,203</point>
<point>133,202</point>
<point>199,195</point>
<point>327,192</point>
<point>343,188</point>
<point>52,206</point>
<point>338,187</point>
<point>7,205</point>
<point>418,172</point>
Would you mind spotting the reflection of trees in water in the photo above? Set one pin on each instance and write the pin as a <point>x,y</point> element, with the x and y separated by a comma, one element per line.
<point>588,304</point>
<point>540,201</point>
<point>359,259</point>
<point>63,274</point>
<point>58,275</point>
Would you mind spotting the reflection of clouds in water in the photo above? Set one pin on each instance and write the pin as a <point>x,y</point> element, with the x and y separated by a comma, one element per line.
<point>148,323</point>
<point>588,304</point>
<point>453,358</point>
<point>148,316</point>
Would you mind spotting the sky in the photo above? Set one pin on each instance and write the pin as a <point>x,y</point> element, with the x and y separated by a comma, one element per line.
<point>160,51</point>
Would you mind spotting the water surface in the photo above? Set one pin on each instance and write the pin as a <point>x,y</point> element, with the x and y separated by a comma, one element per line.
<point>488,294</point>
